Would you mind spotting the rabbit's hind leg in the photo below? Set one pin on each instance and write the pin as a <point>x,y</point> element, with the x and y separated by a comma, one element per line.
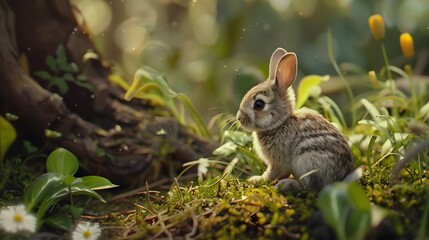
<point>288,185</point>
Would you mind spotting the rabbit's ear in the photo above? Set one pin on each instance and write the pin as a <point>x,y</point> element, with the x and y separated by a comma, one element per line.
<point>274,61</point>
<point>286,71</point>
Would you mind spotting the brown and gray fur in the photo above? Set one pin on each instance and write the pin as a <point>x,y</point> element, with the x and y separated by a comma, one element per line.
<point>300,142</point>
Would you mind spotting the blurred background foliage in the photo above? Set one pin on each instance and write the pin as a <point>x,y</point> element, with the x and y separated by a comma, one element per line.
<point>214,50</point>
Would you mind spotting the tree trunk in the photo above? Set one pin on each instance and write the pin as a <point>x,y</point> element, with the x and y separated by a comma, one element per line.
<point>111,137</point>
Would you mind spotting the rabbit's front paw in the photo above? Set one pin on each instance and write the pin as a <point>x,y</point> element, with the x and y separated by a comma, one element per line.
<point>258,180</point>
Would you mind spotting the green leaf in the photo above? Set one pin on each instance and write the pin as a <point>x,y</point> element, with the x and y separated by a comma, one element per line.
<point>346,208</point>
<point>358,224</point>
<point>237,137</point>
<point>61,55</point>
<point>68,180</point>
<point>52,63</point>
<point>60,84</point>
<point>61,51</point>
<point>29,147</point>
<point>81,78</point>
<point>38,189</point>
<point>76,212</point>
<point>53,195</point>
<point>145,79</point>
<point>358,197</point>
<point>7,136</point>
<point>62,161</point>
<point>97,183</point>
<point>226,149</point>
<point>333,205</point>
<point>360,220</point>
<point>88,86</point>
<point>68,77</point>
<point>81,189</point>
<point>118,80</point>
<point>43,75</point>
<point>307,86</point>
<point>60,221</point>
<point>69,67</point>
<point>372,110</point>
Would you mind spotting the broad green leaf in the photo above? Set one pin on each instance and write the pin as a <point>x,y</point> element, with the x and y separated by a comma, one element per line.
<point>333,204</point>
<point>75,68</point>
<point>62,161</point>
<point>359,221</point>
<point>60,84</point>
<point>155,98</point>
<point>52,63</point>
<point>358,224</point>
<point>29,147</point>
<point>38,189</point>
<point>7,136</point>
<point>97,183</point>
<point>61,55</point>
<point>306,87</point>
<point>145,80</point>
<point>88,86</point>
<point>357,196</point>
<point>372,110</point>
<point>237,137</point>
<point>43,75</point>
<point>118,81</point>
<point>68,77</point>
<point>60,221</point>
<point>81,189</point>
<point>68,180</point>
<point>81,78</point>
<point>61,191</point>
<point>54,194</point>
<point>69,68</point>
<point>424,112</point>
<point>76,212</point>
<point>226,149</point>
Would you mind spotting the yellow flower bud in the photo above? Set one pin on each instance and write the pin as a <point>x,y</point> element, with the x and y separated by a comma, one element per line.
<point>373,79</point>
<point>376,25</point>
<point>407,45</point>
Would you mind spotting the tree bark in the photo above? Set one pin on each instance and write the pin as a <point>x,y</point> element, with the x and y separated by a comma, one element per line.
<point>111,137</point>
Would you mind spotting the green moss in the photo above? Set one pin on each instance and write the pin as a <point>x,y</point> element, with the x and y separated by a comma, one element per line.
<point>226,210</point>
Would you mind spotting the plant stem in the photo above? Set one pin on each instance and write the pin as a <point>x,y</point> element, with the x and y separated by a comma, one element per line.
<point>386,61</point>
<point>338,70</point>
<point>71,203</point>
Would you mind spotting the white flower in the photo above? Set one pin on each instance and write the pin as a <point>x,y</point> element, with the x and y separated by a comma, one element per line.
<point>203,163</point>
<point>86,231</point>
<point>16,219</point>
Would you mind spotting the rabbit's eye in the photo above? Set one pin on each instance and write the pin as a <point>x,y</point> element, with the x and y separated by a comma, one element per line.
<point>258,105</point>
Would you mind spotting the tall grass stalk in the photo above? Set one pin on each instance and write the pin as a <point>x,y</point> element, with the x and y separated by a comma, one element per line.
<point>386,61</point>
<point>338,70</point>
<point>370,155</point>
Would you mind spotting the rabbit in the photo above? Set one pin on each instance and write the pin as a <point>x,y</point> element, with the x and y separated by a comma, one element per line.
<point>301,142</point>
